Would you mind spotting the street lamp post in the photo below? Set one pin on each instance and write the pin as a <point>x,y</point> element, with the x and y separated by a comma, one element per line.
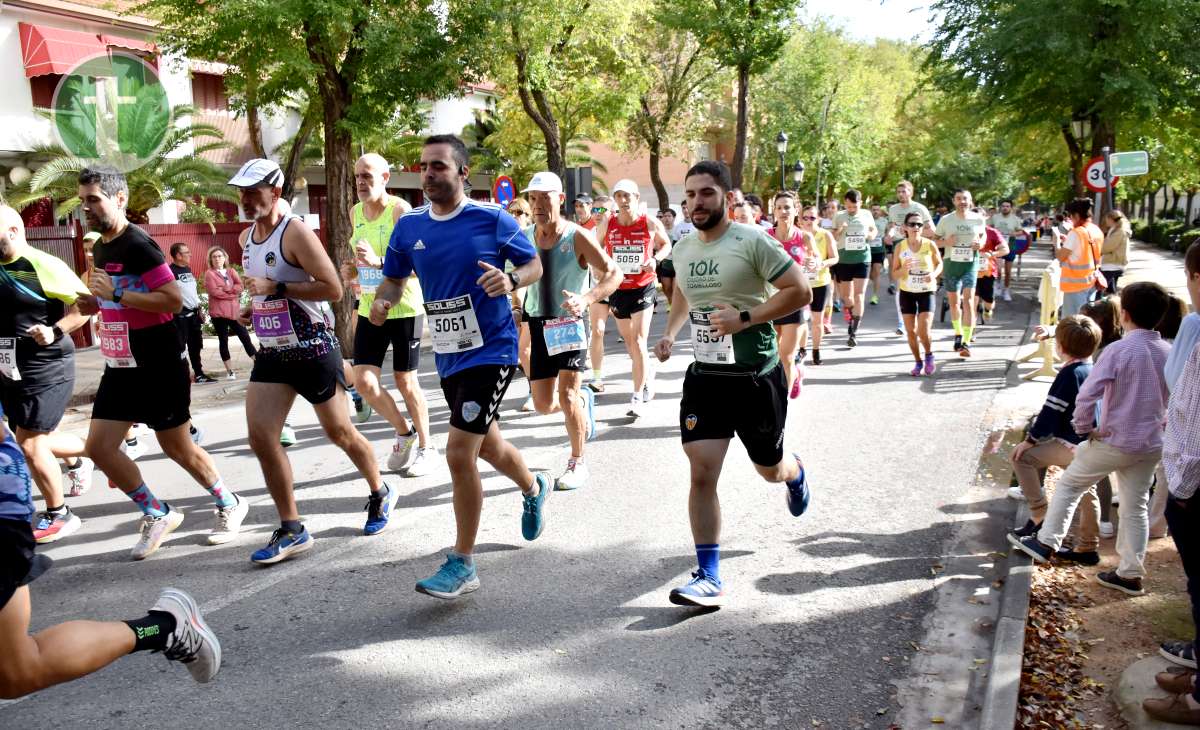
<point>798,174</point>
<point>781,146</point>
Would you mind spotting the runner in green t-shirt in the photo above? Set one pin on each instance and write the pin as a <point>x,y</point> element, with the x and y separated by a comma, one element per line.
<point>878,257</point>
<point>961,235</point>
<point>854,228</point>
<point>736,384</point>
<point>1009,224</point>
<point>373,217</point>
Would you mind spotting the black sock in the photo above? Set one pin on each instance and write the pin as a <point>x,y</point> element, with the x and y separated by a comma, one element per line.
<point>78,463</point>
<point>151,632</point>
<point>60,509</point>
<point>293,526</point>
<point>131,441</point>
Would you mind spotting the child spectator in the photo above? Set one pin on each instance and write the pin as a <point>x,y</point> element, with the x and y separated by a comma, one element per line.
<point>1128,440</point>
<point>1052,440</point>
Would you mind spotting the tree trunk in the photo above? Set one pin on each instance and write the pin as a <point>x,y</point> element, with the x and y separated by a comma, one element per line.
<point>1150,212</point>
<point>1174,199</point>
<point>660,189</point>
<point>339,184</point>
<point>739,141</point>
<point>1191,199</point>
<point>1075,152</point>
<point>291,166</point>
<point>253,121</point>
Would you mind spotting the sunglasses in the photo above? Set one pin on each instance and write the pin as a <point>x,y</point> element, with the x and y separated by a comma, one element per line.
<point>808,218</point>
<point>516,211</point>
<point>599,210</point>
<point>913,225</point>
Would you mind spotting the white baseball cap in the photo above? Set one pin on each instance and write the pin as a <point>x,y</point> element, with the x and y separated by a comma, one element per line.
<point>626,186</point>
<point>258,172</point>
<point>544,182</point>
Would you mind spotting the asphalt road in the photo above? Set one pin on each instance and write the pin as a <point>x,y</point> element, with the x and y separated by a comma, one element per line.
<point>834,619</point>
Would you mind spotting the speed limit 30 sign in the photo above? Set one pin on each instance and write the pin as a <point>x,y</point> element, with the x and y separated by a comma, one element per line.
<point>1095,174</point>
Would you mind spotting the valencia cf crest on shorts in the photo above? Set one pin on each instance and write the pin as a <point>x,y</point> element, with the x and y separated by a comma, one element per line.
<point>470,411</point>
<point>690,422</point>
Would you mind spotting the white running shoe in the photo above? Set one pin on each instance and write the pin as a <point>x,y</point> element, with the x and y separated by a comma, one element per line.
<point>196,433</point>
<point>230,376</point>
<point>403,451</point>
<point>527,405</point>
<point>229,522</point>
<point>635,406</point>
<point>79,479</point>
<point>192,643</point>
<point>1007,294</point>
<point>1016,493</point>
<point>153,531</point>
<point>423,463</point>
<point>574,477</point>
<point>647,391</point>
<point>1106,529</point>
<point>133,449</point>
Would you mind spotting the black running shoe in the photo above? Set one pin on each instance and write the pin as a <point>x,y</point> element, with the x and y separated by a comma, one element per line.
<point>958,345</point>
<point>1028,530</point>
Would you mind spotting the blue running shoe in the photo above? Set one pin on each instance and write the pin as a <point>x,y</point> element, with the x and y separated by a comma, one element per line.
<point>797,491</point>
<point>702,590</point>
<point>283,545</point>
<point>379,509</point>
<point>451,580</point>
<point>589,403</point>
<point>533,517</point>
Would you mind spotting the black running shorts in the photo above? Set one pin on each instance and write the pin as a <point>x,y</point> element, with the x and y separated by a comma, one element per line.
<point>36,407</point>
<point>818,297</point>
<point>843,273</point>
<point>315,380</point>
<point>624,302</point>
<point>666,268</point>
<point>19,565</point>
<point>402,334</point>
<point>916,303</point>
<point>718,405</point>
<point>473,396</point>
<point>543,365</point>
<point>158,392</point>
<point>985,288</point>
<point>877,256</point>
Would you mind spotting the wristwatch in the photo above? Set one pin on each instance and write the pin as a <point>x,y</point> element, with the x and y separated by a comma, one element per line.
<point>516,280</point>
<point>280,288</point>
<point>744,316</point>
<point>117,294</point>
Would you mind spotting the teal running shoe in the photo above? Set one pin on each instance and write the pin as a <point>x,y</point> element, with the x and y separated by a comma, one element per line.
<point>451,580</point>
<point>287,435</point>
<point>533,518</point>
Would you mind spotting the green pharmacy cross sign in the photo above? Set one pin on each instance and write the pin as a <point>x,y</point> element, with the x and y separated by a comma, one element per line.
<point>112,109</point>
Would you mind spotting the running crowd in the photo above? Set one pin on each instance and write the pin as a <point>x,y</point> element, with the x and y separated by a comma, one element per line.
<point>497,289</point>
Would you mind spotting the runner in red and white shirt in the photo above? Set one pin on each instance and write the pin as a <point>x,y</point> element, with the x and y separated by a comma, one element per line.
<point>637,243</point>
<point>792,328</point>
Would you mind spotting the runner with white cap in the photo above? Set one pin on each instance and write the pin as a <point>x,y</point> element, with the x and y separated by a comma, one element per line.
<point>555,307</point>
<point>637,243</point>
<point>291,281</point>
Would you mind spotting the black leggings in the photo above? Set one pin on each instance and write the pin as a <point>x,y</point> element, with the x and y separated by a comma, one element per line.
<point>224,327</point>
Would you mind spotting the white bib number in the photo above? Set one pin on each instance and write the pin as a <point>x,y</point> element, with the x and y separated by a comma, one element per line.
<point>920,281</point>
<point>114,345</point>
<point>453,325</point>
<point>564,334</point>
<point>962,253</point>
<point>855,242</point>
<point>8,358</point>
<point>628,258</point>
<point>707,345</point>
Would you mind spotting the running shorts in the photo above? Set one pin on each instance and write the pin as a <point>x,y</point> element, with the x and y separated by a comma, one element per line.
<point>624,302</point>
<point>19,565</point>
<point>849,272</point>
<point>402,334</point>
<point>985,287</point>
<point>474,395</point>
<point>543,365</point>
<point>877,256</point>
<point>958,283</point>
<point>158,392</point>
<point>719,405</point>
<point>314,379</point>
<point>666,268</point>
<point>36,407</point>
<point>795,317</point>
<point>819,294</point>
<point>916,302</point>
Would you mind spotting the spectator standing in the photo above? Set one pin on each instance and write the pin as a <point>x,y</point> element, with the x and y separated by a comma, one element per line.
<point>1114,254</point>
<point>224,288</point>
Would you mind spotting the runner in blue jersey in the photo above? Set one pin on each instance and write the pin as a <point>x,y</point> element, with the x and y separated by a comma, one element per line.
<point>71,650</point>
<point>457,248</point>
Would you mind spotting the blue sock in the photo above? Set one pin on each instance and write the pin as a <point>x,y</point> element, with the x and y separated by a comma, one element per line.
<point>147,502</point>
<point>709,557</point>
<point>353,393</point>
<point>222,496</point>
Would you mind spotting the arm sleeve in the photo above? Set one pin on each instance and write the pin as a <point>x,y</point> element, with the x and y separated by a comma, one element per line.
<point>397,262</point>
<point>58,281</point>
<point>514,244</point>
<point>1090,393</point>
<point>1060,400</point>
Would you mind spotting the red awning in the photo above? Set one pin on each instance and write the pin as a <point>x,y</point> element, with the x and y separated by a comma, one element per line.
<point>49,50</point>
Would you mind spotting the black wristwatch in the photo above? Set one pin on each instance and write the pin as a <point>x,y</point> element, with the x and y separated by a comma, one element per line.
<point>58,333</point>
<point>117,294</point>
<point>516,280</point>
<point>280,288</point>
<point>745,316</point>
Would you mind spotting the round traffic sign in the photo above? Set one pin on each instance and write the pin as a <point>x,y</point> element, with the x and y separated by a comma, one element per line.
<point>1095,175</point>
<point>503,190</point>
